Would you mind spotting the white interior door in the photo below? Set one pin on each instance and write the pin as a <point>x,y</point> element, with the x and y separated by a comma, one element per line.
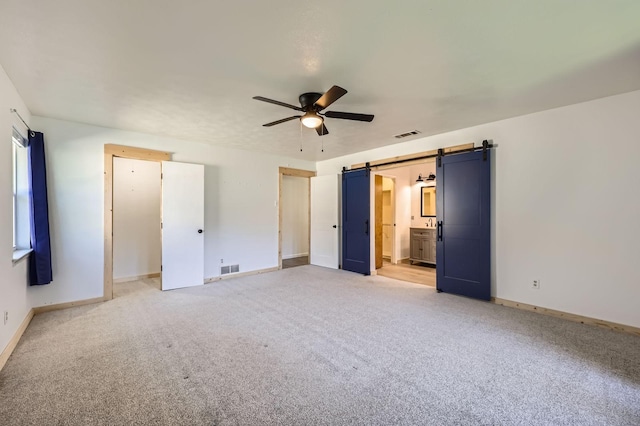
<point>324,241</point>
<point>182,225</point>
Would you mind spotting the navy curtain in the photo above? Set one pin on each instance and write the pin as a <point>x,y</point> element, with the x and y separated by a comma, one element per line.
<point>40,259</point>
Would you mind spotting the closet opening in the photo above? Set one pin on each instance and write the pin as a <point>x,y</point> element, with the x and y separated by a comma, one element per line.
<point>137,234</point>
<point>294,217</point>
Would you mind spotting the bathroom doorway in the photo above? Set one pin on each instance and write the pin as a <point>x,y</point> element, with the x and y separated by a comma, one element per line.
<point>397,212</point>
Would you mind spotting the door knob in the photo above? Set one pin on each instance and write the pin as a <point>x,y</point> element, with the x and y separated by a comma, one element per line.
<point>199,231</point>
<point>335,226</point>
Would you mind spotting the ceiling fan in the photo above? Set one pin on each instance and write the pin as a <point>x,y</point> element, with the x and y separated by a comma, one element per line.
<point>311,104</point>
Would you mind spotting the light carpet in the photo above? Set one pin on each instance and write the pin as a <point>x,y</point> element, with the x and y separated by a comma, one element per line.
<point>313,346</point>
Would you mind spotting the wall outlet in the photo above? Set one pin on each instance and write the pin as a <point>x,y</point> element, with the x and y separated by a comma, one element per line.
<point>535,284</point>
<point>6,317</point>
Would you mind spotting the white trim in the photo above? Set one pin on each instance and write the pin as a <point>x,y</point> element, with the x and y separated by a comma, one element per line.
<point>19,254</point>
<point>19,139</point>
<point>20,189</point>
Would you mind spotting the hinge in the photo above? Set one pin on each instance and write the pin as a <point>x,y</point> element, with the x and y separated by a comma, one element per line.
<point>440,154</point>
<point>161,175</point>
<point>160,268</point>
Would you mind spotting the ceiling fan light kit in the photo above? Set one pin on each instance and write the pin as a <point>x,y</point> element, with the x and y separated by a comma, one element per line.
<point>311,104</point>
<point>311,120</point>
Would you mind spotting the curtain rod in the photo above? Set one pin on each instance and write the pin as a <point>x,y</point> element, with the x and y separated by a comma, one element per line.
<point>15,111</point>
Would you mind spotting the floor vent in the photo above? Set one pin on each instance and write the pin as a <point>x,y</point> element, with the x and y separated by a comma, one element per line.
<point>229,269</point>
<point>404,135</point>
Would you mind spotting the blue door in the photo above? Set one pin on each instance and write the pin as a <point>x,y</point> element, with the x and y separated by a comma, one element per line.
<point>463,208</point>
<point>355,222</point>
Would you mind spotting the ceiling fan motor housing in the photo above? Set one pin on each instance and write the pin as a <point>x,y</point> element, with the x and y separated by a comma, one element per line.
<point>307,100</point>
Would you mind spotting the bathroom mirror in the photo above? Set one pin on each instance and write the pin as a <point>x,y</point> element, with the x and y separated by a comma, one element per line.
<point>428,201</point>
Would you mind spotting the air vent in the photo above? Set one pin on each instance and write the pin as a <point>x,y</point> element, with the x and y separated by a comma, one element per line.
<point>231,269</point>
<point>404,135</point>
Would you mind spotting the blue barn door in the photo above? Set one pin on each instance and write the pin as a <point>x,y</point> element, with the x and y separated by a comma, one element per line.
<point>463,209</point>
<point>355,222</point>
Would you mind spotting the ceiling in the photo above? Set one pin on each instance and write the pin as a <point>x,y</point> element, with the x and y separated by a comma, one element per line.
<point>188,69</point>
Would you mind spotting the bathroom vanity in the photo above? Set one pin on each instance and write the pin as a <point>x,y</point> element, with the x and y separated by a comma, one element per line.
<point>423,245</point>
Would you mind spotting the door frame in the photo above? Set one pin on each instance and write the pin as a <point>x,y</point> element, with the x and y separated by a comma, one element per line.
<point>378,218</point>
<point>111,151</point>
<point>394,257</point>
<point>288,171</point>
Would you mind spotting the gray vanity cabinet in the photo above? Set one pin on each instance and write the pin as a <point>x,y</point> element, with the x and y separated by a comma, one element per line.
<point>423,245</point>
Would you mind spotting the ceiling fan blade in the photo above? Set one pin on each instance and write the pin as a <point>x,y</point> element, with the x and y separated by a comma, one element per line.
<point>284,120</point>
<point>271,101</point>
<point>332,95</point>
<point>349,116</point>
<point>322,130</point>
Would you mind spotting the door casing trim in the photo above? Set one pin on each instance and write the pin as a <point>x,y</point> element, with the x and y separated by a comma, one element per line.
<point>111,151</point>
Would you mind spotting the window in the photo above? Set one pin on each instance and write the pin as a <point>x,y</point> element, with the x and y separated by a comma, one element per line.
<point>21,225</point>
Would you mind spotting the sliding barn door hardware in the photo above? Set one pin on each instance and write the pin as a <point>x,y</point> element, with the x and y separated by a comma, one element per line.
<point>485,146</point>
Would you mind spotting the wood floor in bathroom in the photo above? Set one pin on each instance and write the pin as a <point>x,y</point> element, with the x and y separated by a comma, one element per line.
<point>419,273</point>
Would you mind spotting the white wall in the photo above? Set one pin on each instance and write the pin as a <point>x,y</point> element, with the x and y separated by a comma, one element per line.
<point>241,219</point>
<point>295,217</point>
<point>547,166</point>
<point>137,238</point>
<point>13,282</point>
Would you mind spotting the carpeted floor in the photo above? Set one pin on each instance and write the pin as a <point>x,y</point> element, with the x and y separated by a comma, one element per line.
<point>312,346</point>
